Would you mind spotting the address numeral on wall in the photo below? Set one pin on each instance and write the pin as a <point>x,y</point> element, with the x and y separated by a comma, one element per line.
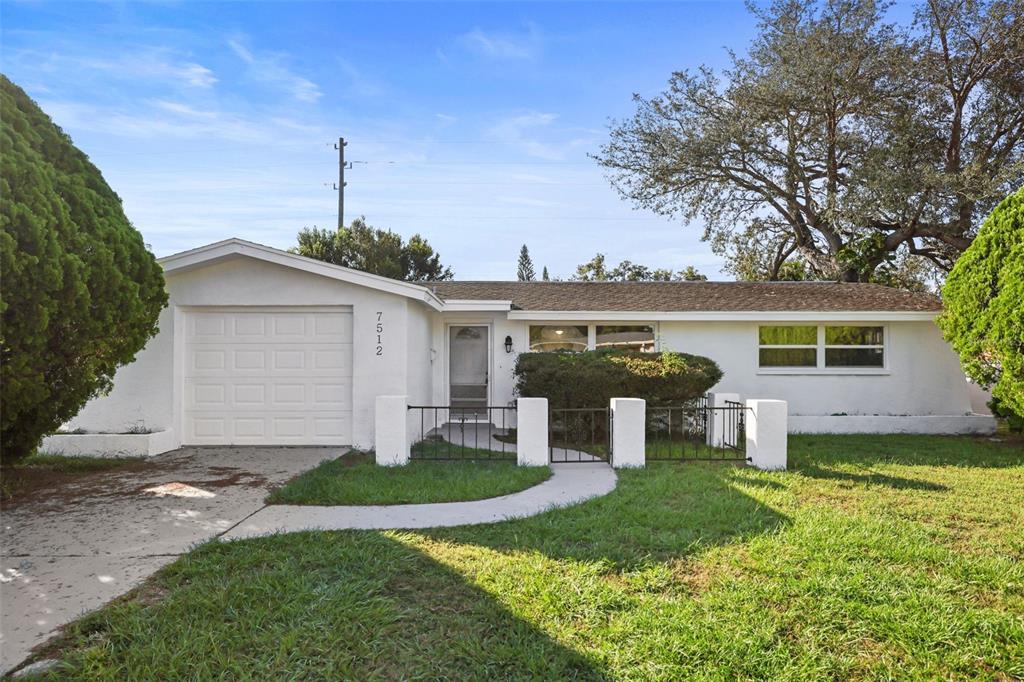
<point>380,333</point>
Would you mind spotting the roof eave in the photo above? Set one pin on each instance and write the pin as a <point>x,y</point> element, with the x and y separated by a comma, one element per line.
<point>729,315</point>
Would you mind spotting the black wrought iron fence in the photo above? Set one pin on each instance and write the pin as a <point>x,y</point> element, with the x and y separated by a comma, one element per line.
<point>582,434</point>
<point>454,433</point>
<point>696,431</point>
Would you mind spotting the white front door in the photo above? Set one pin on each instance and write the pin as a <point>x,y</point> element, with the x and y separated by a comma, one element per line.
<point>467,370</point>
<point>268,377</point>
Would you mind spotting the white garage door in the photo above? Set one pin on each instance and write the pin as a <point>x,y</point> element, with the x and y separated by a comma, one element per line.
<point>268,377</point>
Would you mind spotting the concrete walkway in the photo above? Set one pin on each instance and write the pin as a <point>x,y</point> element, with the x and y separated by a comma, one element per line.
<point>570,484</point>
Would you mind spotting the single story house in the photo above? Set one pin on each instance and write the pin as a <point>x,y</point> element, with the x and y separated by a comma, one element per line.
<point>264,347</point>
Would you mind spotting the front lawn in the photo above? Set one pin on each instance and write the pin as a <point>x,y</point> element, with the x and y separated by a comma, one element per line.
<point>355,479</point>
<point>873,557</point>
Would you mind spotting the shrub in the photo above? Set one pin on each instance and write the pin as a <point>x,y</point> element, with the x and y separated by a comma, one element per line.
<point>984,302</point>
<point>81,294</point>
<point>592,378</point>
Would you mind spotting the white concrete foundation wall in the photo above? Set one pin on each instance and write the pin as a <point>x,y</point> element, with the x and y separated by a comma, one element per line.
<point>629,433</point>
<point>927,424</point>
<point>109,444</point>
<point>532,434</point>
<point>922,377</point>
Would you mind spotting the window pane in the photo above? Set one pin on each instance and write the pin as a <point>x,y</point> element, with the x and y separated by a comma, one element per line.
<point>788,357</point>
<point>854,357</point>
<point>558,337</point>
<point>853,336</point>
<point>635,337</point>
<point>789,336</point>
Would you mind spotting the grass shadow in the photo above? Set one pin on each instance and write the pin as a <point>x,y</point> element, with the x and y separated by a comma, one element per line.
<point>666,511</point>
<point>316,605</point>
<point>870,478</point>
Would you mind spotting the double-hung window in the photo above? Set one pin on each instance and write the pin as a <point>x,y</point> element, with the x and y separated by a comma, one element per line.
<point>821,347</point>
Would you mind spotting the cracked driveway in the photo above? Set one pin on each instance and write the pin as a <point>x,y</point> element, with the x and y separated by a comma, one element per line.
<point>71,549</point>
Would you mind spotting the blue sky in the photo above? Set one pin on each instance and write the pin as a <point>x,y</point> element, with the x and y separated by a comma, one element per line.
<point>468,123</point>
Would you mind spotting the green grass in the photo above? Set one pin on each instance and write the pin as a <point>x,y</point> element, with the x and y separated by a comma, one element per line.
<point>355,479</point>
<point>872,558</point>
<point>74,465</point>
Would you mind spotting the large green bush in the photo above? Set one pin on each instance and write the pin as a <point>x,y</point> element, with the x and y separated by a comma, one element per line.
<point>80,292</point>
<point>984,304</point>
<point>592,378</point>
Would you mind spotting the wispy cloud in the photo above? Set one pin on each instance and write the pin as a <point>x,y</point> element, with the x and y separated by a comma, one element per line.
<point>503,44</point>
<point>269,68</point>
<point>516,130</point>
<point>360,84</point>
<point>152,64</point>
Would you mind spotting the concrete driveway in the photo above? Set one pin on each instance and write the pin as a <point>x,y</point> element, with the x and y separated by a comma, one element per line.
<point>72,549</point>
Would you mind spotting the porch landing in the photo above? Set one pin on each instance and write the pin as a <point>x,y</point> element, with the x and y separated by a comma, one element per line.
<point>570,484</point>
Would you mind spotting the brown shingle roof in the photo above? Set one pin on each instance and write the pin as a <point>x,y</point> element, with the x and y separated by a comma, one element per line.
<point>691,296</point>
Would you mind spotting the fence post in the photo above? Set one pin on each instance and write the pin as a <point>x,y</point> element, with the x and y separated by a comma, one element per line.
<point>629,432</point>
<point>391,433</point>
<point>532,432</point>
<point>719,421</point>
<point>767,433</point>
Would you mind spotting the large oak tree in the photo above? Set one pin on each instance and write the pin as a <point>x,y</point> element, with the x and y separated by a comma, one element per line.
<point>841,143</point>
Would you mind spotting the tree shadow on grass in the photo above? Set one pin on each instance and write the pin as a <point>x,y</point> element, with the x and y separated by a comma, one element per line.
<point>870,478</point>
<point>315,605</point>
<point>663,512</point>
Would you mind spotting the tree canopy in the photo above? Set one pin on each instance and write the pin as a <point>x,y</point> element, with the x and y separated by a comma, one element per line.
<point>380,252</point>
<point>984,304</point>
<point>524,270</point>
<point>81,293</point>
<point>860,149</point>
<point>595,270</point>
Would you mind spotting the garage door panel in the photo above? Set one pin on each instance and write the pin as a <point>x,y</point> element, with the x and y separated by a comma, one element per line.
<point>268,377</point>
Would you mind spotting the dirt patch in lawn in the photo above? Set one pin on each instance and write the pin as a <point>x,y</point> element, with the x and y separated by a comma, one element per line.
<point>34,483</point>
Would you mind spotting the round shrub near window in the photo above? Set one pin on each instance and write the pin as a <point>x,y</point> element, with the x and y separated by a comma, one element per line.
<point>593,378</point>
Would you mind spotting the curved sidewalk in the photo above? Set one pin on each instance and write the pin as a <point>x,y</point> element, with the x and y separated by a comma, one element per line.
<point>570,484</point>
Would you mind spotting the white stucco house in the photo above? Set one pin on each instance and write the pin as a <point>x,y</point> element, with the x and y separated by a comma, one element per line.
<point>264,347</point>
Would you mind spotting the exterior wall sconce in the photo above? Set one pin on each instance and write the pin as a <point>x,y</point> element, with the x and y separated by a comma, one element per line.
<point>508,344</point>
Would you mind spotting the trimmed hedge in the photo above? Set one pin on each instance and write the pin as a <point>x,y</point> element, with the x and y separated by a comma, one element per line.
<point>592,378</point>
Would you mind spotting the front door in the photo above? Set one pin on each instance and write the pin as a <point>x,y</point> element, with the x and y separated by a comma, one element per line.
<point>467,371</point>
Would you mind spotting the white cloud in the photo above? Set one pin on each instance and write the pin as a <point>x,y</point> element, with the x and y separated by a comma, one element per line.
<point>503,45</point>
<point>269,68</point>
<point>445,120</point>
<point>513,131</point>
<point>151,64</point>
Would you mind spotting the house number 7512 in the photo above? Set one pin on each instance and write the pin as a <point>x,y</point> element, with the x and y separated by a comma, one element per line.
<point>380,333</point>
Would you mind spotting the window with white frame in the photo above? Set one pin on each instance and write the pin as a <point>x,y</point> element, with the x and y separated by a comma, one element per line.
<point>551,337</point>
<point>638,338</point>
<point>821,346</point>
<point>788,346</point>
<point>851,346</point>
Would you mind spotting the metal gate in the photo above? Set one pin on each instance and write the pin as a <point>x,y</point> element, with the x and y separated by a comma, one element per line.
<point>696,431</point>
<point>579,434</point>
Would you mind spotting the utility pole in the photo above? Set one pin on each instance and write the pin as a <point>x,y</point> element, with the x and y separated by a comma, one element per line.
<point>340,186</point>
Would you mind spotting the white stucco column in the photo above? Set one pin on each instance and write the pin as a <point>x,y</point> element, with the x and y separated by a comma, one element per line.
<point>629,433</point>
<point>718,420</point>
<point>391,434</point>
<point>532,432</point>
<point>767,433</point>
